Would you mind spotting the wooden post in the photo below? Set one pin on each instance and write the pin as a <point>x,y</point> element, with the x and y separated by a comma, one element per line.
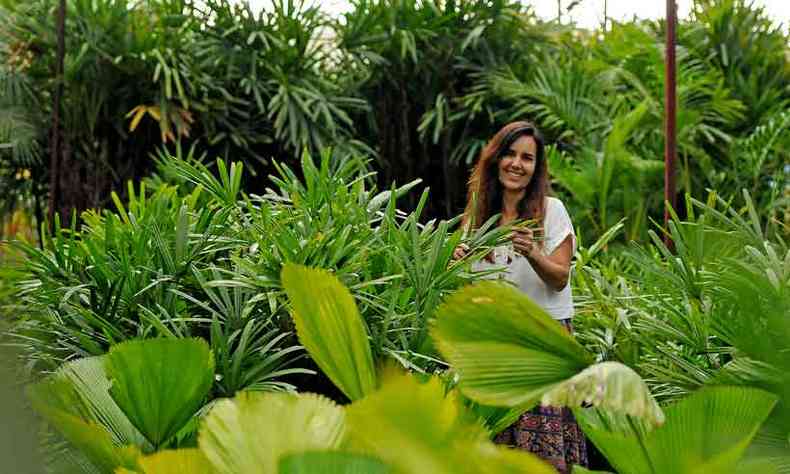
<point>56,137</point>
<point>670,145</point>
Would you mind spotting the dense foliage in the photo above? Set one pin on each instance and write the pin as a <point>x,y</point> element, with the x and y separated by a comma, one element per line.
<point>417,85</point>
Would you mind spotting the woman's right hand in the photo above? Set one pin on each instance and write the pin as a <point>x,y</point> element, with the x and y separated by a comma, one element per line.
<point>463,250</point>
<point>460,252</point>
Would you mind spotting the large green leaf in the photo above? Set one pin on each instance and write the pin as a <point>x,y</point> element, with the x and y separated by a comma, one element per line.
<point>507,350</point>
<point>160,383</point>
<point>331,462</point>
<point>496,419</point>
<point>582,470</point>
<point>251,432</point>
<point>91,439</point>
<point>771,444</point>
<point>705,433</point>
<point>76,402</point>
<point>417,427</point>
<point>610,386</point>
<point>180,461</point>
<point>330,328</point>
<point>81,388</point>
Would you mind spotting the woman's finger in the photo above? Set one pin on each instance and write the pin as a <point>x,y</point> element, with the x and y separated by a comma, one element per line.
<point>523,242</point>
<point>523,247</point>
<point>523,233</point>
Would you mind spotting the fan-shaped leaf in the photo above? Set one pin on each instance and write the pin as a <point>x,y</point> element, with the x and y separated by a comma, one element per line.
<point>76,402</point>
<point>610,386</point>
<point>252,432</point>
<point>92,440</point>
<point>81,388</point>
<point>707,432</point>
<point>181,461</point>
<point>419,428</point>
<point>160,383</point>
<point>330,328</point>
<point>507,350</point>
<point>328,462</point>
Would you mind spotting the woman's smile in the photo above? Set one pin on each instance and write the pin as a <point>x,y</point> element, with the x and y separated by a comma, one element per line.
<point>517,164</point>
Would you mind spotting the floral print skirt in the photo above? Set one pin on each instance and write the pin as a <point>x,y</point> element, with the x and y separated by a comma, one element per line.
<point>550,433</point>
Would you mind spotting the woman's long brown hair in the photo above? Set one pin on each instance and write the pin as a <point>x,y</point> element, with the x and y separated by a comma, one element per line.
<point>484,194</point>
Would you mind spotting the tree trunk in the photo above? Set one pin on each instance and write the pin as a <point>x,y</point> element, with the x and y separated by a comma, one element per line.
<point>448,175</point>
<point>56,134</point>
<point>405,151</point>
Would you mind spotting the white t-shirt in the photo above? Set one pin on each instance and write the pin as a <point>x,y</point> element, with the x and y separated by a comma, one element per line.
<point>556,227</point>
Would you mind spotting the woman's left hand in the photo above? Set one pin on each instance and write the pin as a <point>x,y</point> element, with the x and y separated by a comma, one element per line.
<point>524,243</point>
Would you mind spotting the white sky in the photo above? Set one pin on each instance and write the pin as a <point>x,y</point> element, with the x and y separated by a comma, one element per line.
<point>589,13</point>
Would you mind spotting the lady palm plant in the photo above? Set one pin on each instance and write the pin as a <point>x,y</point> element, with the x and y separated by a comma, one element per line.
<point>203,259</point>
<point>333,218</point>
<point>145,271</point>
<point>423,125</point>
<point>654,308</point>
<point>121,429</point>
<point>741,40</point>
<point>255,83</point>
<point>712,312</point>
<point>508,352</point>
<point>102,80</point>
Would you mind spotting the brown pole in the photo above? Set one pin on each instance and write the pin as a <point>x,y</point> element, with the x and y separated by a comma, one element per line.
<point>56,140</point>
<point>670,146</point>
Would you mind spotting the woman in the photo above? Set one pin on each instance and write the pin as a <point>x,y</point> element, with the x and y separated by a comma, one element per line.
<point>511,179</point>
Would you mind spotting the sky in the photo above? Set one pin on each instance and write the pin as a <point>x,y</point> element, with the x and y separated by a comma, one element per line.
<point>589,13</point>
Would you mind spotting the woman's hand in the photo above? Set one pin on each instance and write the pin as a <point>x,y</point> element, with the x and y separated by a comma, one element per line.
<point>463,250</point>
<point>553,269</point>
<point>524,242</point>
<point>460,251</point>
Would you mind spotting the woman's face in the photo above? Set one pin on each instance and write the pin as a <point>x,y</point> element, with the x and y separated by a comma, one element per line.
<point>517,164</point>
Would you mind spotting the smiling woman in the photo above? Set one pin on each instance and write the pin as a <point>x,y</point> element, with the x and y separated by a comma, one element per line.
<point>511,179</point>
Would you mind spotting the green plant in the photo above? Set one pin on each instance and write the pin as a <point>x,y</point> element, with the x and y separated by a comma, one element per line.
<point>707,432</point>
<point>139,398</point>
<point>269,432</point>
<point>146,271</point>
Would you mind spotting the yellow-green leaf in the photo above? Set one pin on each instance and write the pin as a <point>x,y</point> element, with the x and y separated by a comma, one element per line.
<point>253,431</point>
<point>505,348</point>
<point>330,327</point>
<point>610,386</point>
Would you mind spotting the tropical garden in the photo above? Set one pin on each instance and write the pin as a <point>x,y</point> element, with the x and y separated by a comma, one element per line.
<point>226,238</point>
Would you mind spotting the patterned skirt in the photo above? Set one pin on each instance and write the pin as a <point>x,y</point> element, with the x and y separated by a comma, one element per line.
<point>549,432</point>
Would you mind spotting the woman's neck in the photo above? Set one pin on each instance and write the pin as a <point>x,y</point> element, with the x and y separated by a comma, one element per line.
<point>510,200</point>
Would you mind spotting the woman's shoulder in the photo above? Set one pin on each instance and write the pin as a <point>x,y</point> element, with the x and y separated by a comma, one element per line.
<point>556,213</point>
<point>554,204</point>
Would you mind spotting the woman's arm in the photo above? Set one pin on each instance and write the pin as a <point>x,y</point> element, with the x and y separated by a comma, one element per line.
<point>553,269</point>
